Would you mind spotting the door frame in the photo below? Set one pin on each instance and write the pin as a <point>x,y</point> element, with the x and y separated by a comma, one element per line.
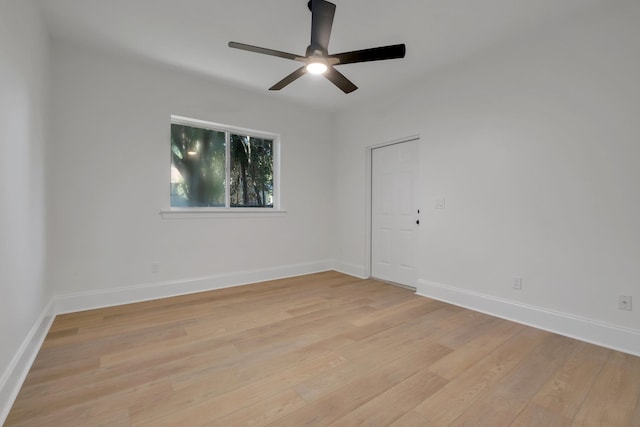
<point>369,196</point>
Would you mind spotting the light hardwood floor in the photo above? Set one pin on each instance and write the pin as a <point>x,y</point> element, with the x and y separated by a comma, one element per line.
<point>318,350</point>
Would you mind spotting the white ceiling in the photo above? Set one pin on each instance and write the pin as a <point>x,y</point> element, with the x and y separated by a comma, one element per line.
<point>193,34</point>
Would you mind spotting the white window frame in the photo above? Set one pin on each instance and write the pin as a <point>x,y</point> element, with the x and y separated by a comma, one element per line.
<point>228,211</point>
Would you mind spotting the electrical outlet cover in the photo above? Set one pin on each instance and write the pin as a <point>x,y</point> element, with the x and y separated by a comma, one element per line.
<point>517,283</point>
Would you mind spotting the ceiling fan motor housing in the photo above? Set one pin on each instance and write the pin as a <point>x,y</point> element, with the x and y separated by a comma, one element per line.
<point>316,51</point>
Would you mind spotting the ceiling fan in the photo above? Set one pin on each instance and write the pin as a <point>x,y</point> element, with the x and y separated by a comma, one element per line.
<point>317,59</point>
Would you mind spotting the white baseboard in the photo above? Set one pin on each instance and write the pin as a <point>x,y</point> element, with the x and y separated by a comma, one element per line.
<point>69,303</point>
<point>15,374</point>
<point>355,270</point>
<point>600,333</point>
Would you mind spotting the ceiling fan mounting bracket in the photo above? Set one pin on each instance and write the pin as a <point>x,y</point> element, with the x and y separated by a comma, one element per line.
<point>316,51</point>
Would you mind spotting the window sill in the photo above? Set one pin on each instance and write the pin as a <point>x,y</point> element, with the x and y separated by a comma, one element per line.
<point>178,213</point>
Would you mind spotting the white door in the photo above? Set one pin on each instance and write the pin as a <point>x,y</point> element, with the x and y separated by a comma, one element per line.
<point>394,212</point>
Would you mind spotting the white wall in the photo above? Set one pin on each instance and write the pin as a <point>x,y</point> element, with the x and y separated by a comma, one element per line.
<point>110,177</point>
<point>536,149</point>
<point>23,93</point>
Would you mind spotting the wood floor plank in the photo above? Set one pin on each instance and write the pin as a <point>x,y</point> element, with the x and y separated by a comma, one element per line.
<point>218,406</point>
<point>465,356</point>
<point>614,394</point>
<point>512,393</point>
<point>61,371</point>
<point>635,418</point>
<point>410,419</point>
<point>261,413</point>
<point>362,364</point>
<point>362,388</point>
<point>565,391</point>
<point>317,350</point>
<point>535,416</point>
<point>99,346</point>
<point>93,409</point>
<point>391,405</point>
<point>386,312</point>
<point>231,377</point>
<point>472,324</point>
<point>445,406</point>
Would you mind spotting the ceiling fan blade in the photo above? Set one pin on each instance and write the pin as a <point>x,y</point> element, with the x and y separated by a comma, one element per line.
<point>290,78</point>
<point>266,51</point>
<point>338,79</point>
<point>322,13</point>
<point>374,54</point>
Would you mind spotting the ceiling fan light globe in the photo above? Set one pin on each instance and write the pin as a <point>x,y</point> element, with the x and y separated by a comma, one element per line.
<point>316,68</point>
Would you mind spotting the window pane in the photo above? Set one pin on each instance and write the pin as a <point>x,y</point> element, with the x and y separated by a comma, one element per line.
<point>251,181</point>
<point>197,167</point>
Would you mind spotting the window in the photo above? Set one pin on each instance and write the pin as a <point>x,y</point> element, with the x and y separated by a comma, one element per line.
<point>218,167</point>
